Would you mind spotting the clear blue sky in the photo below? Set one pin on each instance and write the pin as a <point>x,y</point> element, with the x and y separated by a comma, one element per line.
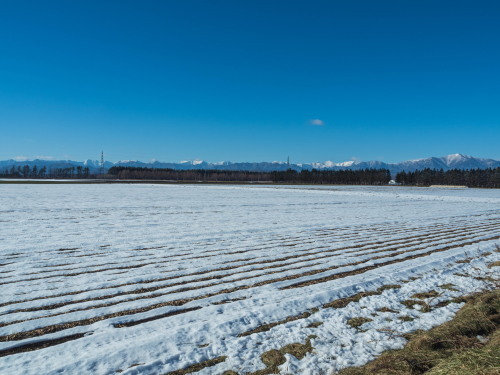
<point>242,80</point>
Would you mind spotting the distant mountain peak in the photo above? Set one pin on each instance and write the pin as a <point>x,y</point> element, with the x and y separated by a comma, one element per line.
<point>453,158</point>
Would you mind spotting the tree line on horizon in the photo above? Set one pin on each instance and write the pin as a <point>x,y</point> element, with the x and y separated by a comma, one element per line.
<point>338,177</point>
<point>341,177</point>
<point>27,172</point>
<point>142,173</point>
<point>481,178</point>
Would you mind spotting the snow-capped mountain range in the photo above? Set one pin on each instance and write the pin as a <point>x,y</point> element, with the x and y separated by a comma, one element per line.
<point>458,161</point>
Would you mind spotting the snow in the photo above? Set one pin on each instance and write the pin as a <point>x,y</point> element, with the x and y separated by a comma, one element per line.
<point>331,164</point>
<point>192,162</point>
<point>349,163</point>
<point>81,253</point>
<point>453,158</point>
<point>326,164</point>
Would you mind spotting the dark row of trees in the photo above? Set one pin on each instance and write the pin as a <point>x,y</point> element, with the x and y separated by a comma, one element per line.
<point>27,172</point>
<point>483,178</point>
<point>344,177</point>
<point>137,173</point>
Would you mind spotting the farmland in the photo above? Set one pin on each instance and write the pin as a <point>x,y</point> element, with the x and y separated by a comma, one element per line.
<point>152,279</point>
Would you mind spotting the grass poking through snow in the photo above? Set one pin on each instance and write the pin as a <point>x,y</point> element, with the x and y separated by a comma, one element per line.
<point>358,321</point>
<point>198,366</point>
<point>425,295</point>
<point>274,358</point>
<point>468,344</point>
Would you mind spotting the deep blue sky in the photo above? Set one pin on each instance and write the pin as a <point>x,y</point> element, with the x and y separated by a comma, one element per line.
<point>242,80</point>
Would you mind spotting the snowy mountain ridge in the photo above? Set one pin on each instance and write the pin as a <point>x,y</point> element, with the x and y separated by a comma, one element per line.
<point>458,161</point>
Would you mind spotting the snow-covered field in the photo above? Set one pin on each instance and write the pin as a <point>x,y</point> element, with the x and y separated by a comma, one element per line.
<point>148,279</point>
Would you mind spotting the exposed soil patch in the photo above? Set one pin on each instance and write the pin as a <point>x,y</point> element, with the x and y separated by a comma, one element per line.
<point>40,344</point>
<point>276,357</point>
<point>425,295</point>
<point>198,366</point>
<point>268,326</point>
<point>358,321</point>
<point>449,286</point>
<point>386,309</point>
<point>314,324</point>
<point>155,317</point>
